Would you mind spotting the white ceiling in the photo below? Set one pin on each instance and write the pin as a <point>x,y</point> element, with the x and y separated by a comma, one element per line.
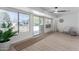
<point>70,10</point>
<point>47,10</point>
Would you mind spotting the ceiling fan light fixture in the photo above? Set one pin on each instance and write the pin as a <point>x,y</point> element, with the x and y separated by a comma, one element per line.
<point>55,12</point>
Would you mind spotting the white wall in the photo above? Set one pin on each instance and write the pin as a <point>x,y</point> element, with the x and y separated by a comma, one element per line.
<point>70,20</point>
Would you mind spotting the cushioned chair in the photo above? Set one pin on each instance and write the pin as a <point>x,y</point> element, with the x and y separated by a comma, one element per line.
<point>72,31</point>
<point>66,29</point>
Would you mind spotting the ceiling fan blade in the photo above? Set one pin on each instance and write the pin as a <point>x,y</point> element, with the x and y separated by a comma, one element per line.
<point>62,10</point>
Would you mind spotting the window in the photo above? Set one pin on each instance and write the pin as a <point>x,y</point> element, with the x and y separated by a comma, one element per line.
<point>14,19</point>
<point>19,21</point>
<point>48,23</point>
<point>8,16</point>
<point>23,22</point>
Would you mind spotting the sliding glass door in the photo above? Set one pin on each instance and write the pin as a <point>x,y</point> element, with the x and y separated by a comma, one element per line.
<point>23,23</point>
<point>38,25</point>
<point>41,25</point>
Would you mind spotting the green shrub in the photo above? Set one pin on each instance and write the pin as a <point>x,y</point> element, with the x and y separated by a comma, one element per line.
<point>6,35</point>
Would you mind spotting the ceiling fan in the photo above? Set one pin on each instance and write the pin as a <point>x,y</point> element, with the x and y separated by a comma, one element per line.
<point>57,10</point>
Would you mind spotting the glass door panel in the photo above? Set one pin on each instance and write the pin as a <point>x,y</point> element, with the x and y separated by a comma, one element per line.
<point>41,25</point>
<point>36,27</point>
<point>23,23</point>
